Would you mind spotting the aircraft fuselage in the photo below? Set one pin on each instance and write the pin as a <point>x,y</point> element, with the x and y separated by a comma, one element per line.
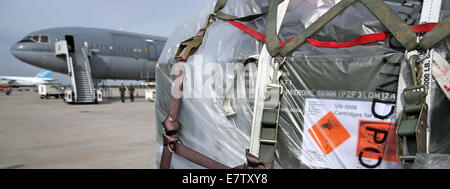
<point>113,54</point>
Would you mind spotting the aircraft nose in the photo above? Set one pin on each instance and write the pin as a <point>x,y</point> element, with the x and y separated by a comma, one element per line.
<point>15,50</point>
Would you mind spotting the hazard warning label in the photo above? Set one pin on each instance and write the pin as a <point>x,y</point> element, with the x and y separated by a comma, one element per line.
<point>377,140</point>
<point>328,133</point>
<point>340,133</point>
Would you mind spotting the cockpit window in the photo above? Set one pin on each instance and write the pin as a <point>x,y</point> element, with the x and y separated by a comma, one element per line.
<point>35,38</point>
<point>26,39</point>
<point>44,39</point>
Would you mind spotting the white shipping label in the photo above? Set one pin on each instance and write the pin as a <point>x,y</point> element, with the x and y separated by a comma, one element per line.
<point>345,134</point>
<point>441,73</point>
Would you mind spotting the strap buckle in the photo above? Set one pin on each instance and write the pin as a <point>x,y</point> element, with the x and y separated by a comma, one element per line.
<point>415,89</point>
<point>412,127</point>
<point>414,96</point>
<point>272,85</point>
<point>411,135</point>
<point>210,20</point>
<point>171,142</point>
<point>188,47</point>
<point>272,95</point>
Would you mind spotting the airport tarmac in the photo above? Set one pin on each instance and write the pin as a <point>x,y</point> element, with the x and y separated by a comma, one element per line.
<point>49,133</point>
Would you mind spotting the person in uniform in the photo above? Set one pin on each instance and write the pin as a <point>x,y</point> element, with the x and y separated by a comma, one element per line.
<point>131,91</point>
<point>8,90</point>
<point>122,90</point>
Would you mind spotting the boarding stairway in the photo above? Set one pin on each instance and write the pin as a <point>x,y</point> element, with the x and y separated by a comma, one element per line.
<point>82,80</point>
<point>83,89</point>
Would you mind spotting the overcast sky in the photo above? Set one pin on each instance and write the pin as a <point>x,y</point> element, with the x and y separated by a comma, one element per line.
<point>20,17</point>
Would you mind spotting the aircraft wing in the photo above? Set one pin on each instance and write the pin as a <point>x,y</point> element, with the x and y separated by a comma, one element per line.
<point>49,80</point>
<point>4,81</point>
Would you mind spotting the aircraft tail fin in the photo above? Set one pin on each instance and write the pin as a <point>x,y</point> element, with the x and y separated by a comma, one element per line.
<point>44,74</point>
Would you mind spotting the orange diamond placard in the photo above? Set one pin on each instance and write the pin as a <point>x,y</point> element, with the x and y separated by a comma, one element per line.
<point>328,133</point>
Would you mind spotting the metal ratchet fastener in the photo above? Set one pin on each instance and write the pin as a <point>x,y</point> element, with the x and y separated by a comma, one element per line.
<point>422,54</point>
<point>415,89</point>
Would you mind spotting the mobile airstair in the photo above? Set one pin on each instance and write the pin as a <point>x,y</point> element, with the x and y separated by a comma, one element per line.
<point>83,89</point>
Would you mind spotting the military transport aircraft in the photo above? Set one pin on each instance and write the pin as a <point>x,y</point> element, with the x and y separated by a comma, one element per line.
<point>112,54</point>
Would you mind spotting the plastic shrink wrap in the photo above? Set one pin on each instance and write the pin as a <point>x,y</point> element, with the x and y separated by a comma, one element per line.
<point>326,119</point>
<point>432,161</point>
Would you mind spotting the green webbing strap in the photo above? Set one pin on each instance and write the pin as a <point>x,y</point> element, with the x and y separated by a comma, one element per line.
<point>270,117</point>
<point>272,42</point>
<point>437,34</point>
<point>227,17</point>
<point>269,127</point>
<point>319,23</point>
<point>220,4</point>
<point>401,31</point>
<point>189,46</point>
